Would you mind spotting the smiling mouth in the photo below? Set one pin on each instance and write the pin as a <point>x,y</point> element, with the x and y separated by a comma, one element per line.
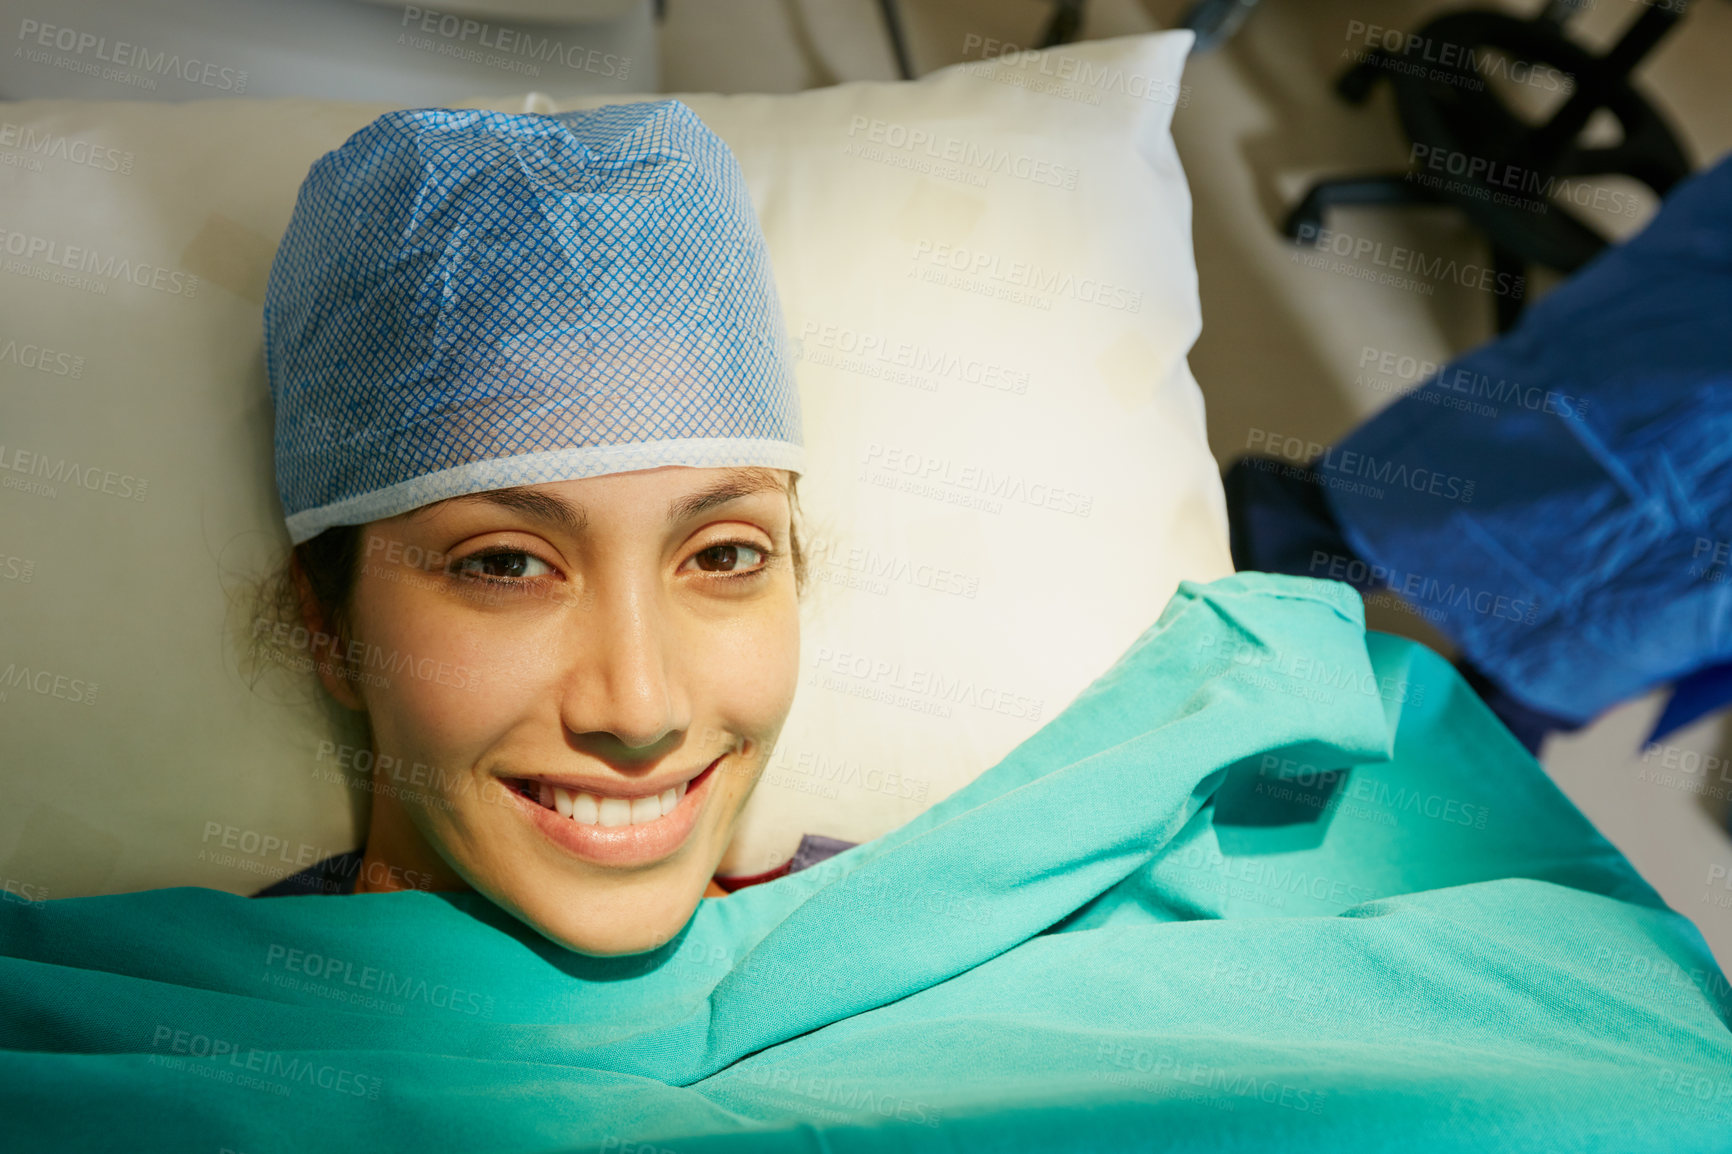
<point>603,810</point>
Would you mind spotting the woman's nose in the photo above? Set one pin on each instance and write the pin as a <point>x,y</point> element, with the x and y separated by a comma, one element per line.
<point>619,679</point>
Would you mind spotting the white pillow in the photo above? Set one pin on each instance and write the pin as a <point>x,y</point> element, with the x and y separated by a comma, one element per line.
<point>987,272</point>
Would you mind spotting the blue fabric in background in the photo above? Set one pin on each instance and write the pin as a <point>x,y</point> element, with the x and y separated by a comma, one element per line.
<point>1578,543</point>
<point>1112,940</point>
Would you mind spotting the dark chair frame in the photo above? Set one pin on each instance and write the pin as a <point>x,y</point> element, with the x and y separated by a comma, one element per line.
<point>1451,111</point>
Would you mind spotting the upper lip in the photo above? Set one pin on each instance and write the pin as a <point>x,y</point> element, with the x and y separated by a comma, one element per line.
<point>615,787</point>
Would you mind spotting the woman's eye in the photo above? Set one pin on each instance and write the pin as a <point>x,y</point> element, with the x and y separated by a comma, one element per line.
<point>733,557</point>
<point>502,565</point>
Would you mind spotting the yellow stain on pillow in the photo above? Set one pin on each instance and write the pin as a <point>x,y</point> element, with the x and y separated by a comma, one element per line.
<point>1131,366</point>
<point>228,253</point>
<point>933,212</point>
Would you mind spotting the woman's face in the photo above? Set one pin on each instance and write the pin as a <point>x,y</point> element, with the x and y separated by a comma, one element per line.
<point>548,669</point>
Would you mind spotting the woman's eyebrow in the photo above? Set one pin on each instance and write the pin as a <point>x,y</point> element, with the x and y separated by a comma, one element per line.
<point>736,484</point>
<point>538,506</point>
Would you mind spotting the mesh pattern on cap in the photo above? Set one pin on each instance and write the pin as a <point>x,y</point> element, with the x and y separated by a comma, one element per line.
<point>470,300</point>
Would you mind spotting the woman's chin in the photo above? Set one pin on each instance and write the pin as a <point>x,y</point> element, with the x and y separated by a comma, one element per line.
<point>601,942</point>
<point>614,921</point>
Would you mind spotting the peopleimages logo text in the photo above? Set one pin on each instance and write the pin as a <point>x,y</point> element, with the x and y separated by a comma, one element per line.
<point>1332,461</point>
<point>1400,259</point>
<point>125,54</point>
<point>79,258</point>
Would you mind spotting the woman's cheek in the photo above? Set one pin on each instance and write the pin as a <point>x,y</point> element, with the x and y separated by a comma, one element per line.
<point>453,684</point>
<point>755,673</point>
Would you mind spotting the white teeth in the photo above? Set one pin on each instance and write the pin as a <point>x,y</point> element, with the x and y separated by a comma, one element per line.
<point>592,809</point>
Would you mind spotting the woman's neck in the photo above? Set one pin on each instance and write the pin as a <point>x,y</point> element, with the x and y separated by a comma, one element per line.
<point>397,857</point>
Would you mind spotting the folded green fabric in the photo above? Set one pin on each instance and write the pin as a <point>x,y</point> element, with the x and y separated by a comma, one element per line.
<point>1270,883</point>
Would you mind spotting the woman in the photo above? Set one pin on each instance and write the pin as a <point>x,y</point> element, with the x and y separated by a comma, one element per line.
<point>537,444</point>
<point>1270,881</point>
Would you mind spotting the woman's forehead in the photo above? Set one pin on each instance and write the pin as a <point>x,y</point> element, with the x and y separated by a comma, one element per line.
<point>688,491</point>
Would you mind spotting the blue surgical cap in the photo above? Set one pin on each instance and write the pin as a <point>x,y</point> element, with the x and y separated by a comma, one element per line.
<point>470,300</point>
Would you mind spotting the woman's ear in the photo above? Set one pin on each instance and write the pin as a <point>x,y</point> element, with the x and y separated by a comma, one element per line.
<point>327,647</point>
